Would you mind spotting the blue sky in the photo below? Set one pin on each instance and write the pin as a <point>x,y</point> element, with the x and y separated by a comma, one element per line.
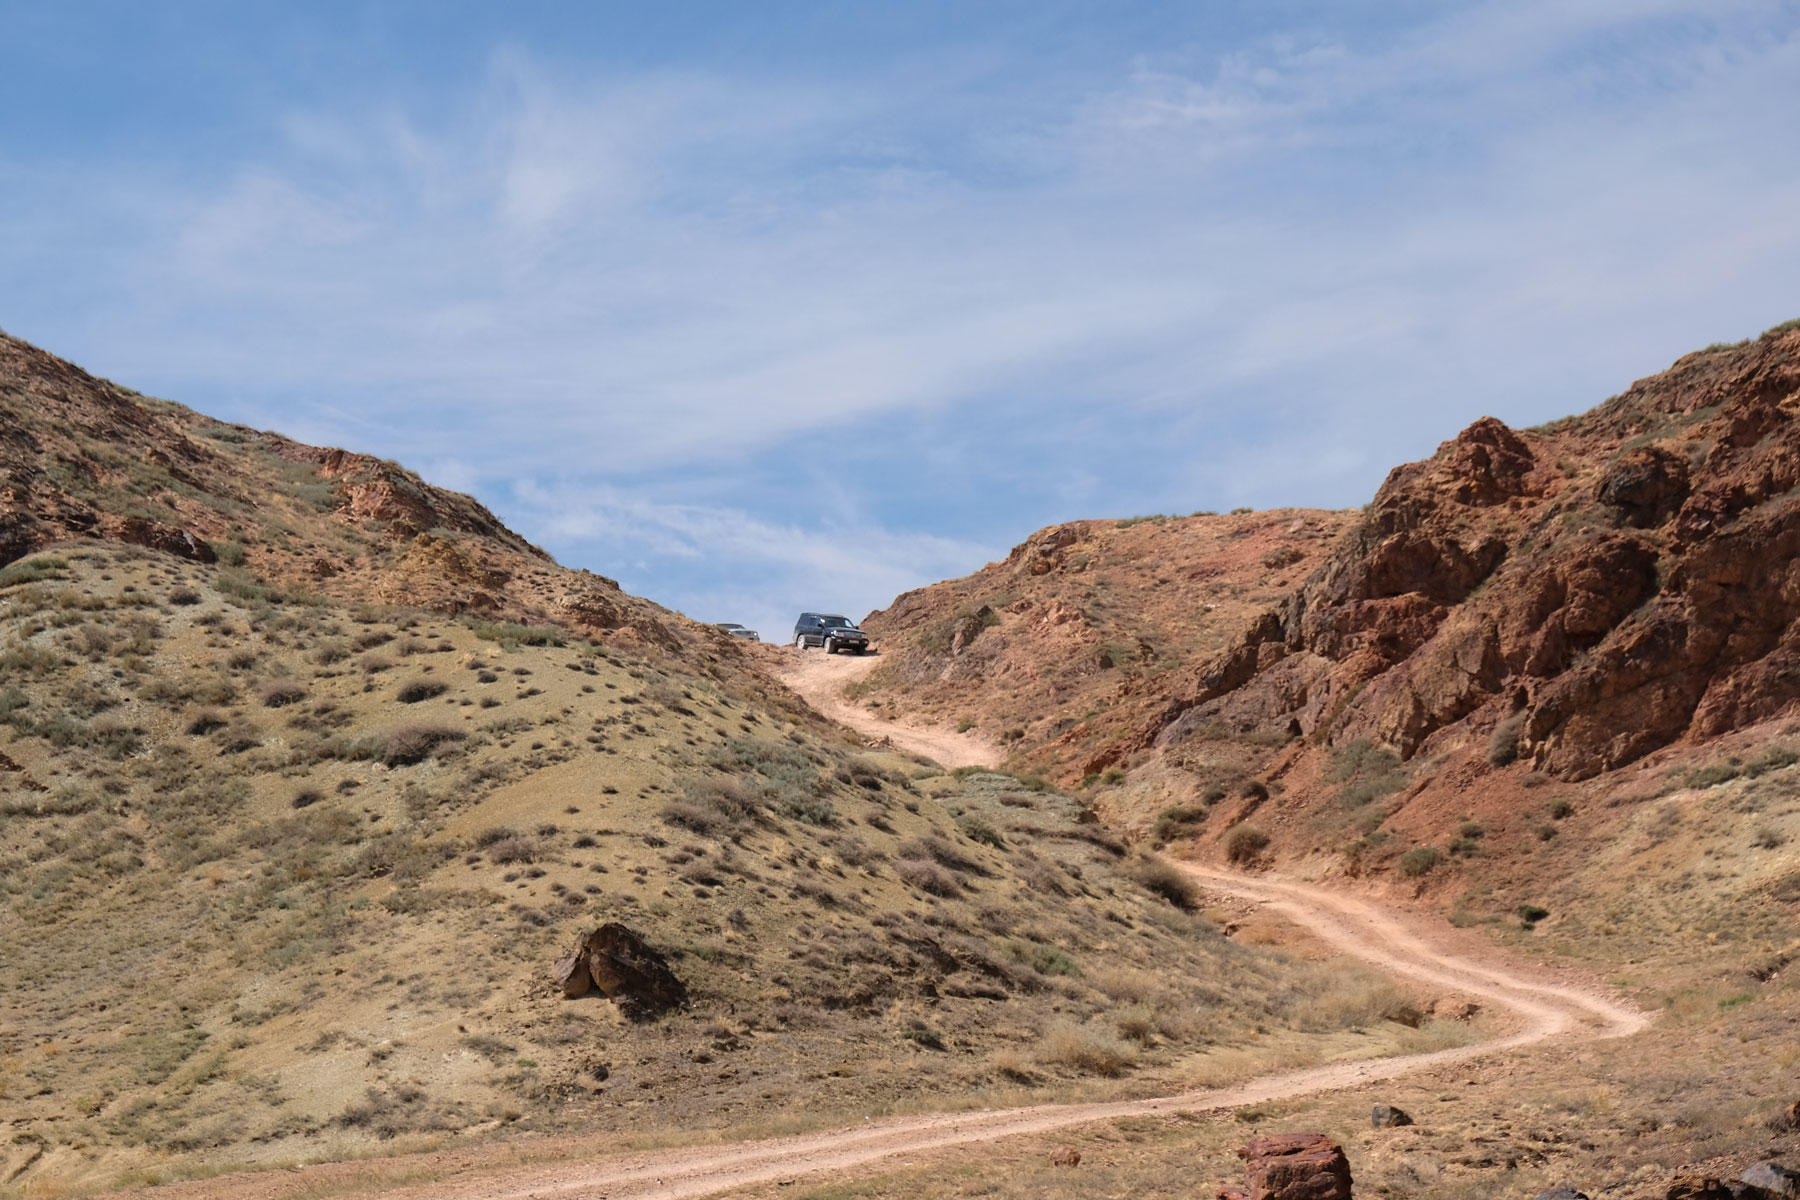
<point>779,306</point>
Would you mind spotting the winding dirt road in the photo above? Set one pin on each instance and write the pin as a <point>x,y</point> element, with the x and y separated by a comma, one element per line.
<point>820,678</point>
<point>1542,1010</point>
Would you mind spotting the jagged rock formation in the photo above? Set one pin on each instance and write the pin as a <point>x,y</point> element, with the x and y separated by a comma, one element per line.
<point>1610,584</point>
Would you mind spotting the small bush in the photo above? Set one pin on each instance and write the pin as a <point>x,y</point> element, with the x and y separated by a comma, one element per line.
<point>1166,880</point>
<point>692,817</point>
<point>420,689</point>
<point>512,849</point>
<point>409,744</point>
<point>978,830</point>
<point>184,596</point>
<point>328,652</point>
<point>921,1036</point>
<point>1088,1051</point>
<point>206,721</point>
<point>1503,746</point>
<point>1713,776</point>
<point>1420,861</point>
<point>279,693</point>
<point>1244,842</point>
<point>1560,809</point>
<point>927,876</point>
<point>1531,914</point>
<point>1173,822</point>
<point>1045,960</point>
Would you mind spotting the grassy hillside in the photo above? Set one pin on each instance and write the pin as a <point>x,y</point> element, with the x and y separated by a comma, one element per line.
<point>284,880</point>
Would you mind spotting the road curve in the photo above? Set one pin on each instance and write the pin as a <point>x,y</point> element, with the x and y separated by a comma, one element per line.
<point>1389,941</point>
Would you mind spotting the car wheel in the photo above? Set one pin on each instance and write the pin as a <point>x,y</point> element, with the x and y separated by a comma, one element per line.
<point>830,646</point>
<point>799,641</point>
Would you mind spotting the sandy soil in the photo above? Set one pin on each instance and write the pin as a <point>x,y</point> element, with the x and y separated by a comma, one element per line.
<point>1541,1009</point>
<point>820,678</point>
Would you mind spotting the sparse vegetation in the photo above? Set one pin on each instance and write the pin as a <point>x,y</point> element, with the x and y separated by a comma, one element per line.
<point>1244,843</point>
<point>1420,861</point>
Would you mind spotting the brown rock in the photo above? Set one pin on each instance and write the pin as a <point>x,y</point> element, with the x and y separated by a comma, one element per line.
<point>1065,1156</point>
<point>1296,1166</point>
<point>623,967</point>
<point>1386,1116</point>
<point>1232,1193</point>
<point>1697,1187</point>
<point>571,975</point>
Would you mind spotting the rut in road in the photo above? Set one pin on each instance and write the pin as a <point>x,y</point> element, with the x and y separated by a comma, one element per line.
<point>1542,1010</point>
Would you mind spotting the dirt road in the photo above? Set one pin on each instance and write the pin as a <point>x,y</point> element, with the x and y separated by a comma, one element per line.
<point>1542,1009</point>
<point>820,678</point>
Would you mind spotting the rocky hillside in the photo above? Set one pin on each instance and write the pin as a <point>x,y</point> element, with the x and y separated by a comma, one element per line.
<point>1544,606</point>
<point>84,458</point>
<point>1587,592</point>
<point>1070,645</point>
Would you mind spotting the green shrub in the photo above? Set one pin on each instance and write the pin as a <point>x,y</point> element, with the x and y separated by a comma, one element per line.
<point>1174,822</point>
<point>1531,914</point>
<point>921,1036</point>
<point>1420,861</point>
<point>1045,960</point>
<point>1713,776</point>
<point>512,635</point>
<point>1503,746</point>
<point>1367,771</point>
<point>978,830</point>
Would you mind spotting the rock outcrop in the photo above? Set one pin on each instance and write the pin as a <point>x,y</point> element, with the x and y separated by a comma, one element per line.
<point>1296,1166</point>
<point>616,962</point>
<point>1623,580</point>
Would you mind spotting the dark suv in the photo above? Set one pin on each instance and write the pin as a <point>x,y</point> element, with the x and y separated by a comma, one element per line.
<point>832,632</point>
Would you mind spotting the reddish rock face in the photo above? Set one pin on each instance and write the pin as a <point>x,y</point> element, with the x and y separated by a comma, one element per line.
<point>1296,1166</point>
<point>1629,578</point>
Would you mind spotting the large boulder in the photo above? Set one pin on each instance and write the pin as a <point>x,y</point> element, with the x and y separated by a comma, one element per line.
<point>1386,1116</point>
<point>1296,1166</point>
<point>1772,1178</point>
<point>621,966</point>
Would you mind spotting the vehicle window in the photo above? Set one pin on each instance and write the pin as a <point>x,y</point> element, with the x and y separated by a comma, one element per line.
<point>833,622</point>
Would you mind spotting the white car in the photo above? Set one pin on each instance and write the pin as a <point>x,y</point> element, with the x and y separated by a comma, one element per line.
<point>735,630</point>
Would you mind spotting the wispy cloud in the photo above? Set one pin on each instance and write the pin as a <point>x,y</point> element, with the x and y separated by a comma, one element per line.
<point>655,309</point>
